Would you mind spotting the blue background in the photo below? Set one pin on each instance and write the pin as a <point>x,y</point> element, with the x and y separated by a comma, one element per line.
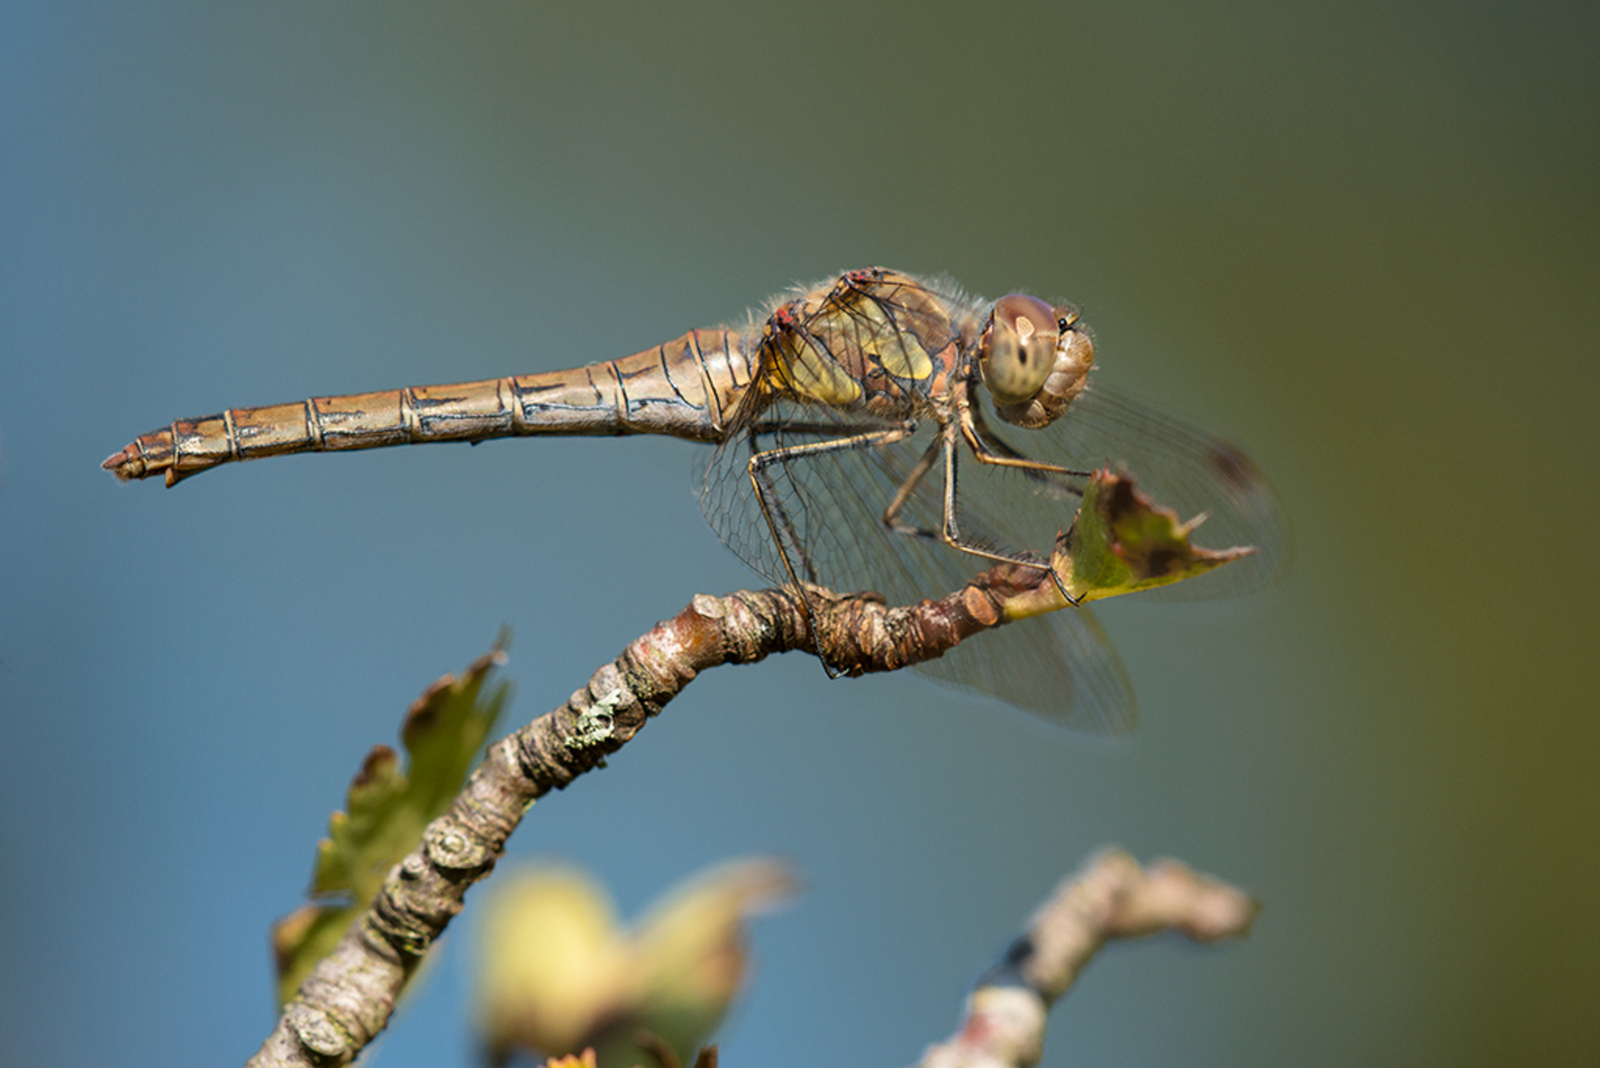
<point>1361,237</point>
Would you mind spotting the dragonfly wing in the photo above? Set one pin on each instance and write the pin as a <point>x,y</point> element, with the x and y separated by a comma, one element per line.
<point>1194,473</point>
<point>1060,667</point>
<point>828,506</point>
<point>1176,465</point>
<point>825,508</point>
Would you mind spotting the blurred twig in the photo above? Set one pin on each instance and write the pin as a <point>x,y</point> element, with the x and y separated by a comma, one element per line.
<point>1110,898</point>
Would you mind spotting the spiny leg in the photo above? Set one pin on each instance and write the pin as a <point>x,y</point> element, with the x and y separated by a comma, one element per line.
<point>952,532</point>
<point>988,449</point>
<point>891,514</point>
<point>772,506</point>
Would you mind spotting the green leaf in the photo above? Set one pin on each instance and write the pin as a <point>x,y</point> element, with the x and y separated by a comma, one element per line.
<point>387,809</point>
<point>1120,542</point>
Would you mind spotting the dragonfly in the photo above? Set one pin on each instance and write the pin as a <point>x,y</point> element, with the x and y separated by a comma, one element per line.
<point>877,431</point>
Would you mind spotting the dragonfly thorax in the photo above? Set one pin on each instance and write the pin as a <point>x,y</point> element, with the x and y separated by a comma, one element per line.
<point>874,338</point>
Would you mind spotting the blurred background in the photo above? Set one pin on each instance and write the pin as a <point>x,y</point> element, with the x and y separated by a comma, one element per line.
<point>1361,239</point>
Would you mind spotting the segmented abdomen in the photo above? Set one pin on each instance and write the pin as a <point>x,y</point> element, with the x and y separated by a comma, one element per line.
<point>684,388</point>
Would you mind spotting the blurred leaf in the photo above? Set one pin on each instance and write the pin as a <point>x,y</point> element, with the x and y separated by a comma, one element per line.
<point>554,960</point>
<point>690,954</point>
<point>386,810</point>
<point>558,973</point>
<point>581,1060</point>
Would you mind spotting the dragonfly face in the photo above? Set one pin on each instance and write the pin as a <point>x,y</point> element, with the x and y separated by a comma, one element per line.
<point>1035,359</point>
<point>1018,348</point>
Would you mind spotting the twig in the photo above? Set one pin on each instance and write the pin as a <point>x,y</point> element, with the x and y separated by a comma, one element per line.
<point>1111,897</point>
<point>351,994</point>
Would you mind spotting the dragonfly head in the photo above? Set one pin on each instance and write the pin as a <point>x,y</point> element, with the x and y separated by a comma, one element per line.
<point>1034,358</point>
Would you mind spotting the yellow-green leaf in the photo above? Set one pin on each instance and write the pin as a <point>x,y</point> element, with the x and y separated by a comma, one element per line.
<point>1123,542</point>
<point>386,810</point>
<point>558,973</point>
<point>1120,542</point>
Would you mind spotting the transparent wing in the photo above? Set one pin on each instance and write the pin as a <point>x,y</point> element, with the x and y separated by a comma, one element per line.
<point>826,509</point>
<point>826,512</point>
<point>1060,667</point>
<point>1176,465</point>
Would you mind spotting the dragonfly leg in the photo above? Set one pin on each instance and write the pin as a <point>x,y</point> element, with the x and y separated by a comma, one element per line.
<point>891,514</point>
<point>988,449</point>
<point>952,532</point>
<point>779,524</point>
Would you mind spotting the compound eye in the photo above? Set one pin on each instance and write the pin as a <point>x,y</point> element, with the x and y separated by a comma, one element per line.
<point>1018,348</point>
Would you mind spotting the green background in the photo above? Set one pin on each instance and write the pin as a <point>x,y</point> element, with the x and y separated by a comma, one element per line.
<point>1362,238</point>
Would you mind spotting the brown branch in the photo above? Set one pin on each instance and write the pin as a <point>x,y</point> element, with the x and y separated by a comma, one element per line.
<point>1111,897</point>
<point>351,994</point>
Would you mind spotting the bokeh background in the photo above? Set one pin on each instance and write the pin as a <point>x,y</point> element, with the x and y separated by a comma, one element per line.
<point>1361,237</point>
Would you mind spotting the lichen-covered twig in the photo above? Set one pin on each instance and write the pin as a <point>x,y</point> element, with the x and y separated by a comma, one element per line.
<point>1111,897</point>
<point>350,995</point>
<point>1120,542</point>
